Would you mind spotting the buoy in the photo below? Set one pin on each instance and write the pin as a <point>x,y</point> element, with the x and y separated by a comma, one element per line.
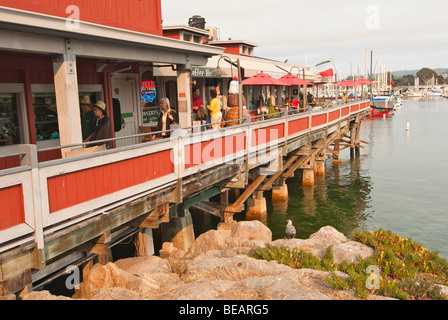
<point>407,126</point>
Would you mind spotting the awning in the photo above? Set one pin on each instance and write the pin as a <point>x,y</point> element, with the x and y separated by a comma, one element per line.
<point>254,65</point>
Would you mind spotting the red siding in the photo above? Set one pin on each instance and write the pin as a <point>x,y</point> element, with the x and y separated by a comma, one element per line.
<point>12,212</point>
<point>9,162</point>
<point>136,15</point>
<point>298,125</point>
<point>333,115</point>
<point>77,187</point>
<point>318,120</point>
<point>266,135</point>
<point>202,152</point>
<point>173,34</point>
<point>354,108</point>
<point>235,49</point>
<point>345,111</point>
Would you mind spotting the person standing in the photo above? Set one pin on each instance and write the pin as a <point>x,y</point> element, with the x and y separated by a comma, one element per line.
<point>167,116</point>
<point>197,102</point>
<point>88,117</point>
<point>215,110</point>
<point>103,125</point>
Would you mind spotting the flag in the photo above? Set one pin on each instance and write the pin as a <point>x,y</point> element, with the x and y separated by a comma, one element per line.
<point>323,62</point>
<point>327,73</point>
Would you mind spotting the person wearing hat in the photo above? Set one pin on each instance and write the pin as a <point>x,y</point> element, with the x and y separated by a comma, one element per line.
<point>103,124</point>
<point>88,117</point>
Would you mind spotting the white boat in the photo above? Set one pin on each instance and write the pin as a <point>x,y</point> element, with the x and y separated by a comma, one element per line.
<point>433,93</point>
<point>413,94</point>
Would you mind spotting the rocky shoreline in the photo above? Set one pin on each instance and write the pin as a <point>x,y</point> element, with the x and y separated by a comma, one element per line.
<point>217,267</point>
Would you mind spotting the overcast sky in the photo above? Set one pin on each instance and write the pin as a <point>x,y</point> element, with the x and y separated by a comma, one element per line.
<point>402,34</point>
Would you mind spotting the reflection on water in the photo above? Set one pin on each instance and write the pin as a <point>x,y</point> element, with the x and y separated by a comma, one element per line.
<point>398,182</point>
<point>340,199</point>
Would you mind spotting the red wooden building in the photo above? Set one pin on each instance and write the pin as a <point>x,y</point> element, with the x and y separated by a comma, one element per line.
<point>53,52</point>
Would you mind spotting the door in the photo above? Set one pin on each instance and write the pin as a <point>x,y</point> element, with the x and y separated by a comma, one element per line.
<point>124,89</point>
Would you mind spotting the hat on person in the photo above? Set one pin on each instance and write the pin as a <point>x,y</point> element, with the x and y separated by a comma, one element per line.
<point>100,104</point>
<point>85,100</point>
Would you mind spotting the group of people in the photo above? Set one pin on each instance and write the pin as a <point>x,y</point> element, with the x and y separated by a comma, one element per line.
<point>95,123</point>
<point>213,109</point>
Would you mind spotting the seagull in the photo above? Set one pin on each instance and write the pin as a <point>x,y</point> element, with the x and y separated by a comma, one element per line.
<point>290,230</point>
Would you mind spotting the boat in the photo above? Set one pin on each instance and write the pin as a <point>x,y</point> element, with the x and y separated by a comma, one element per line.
<point>413,94</point>
<point>433,93</point>
<point>382,103</point>
<point>379,112</point>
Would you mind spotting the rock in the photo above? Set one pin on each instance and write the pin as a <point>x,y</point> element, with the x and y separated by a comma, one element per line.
<point>283,287</point>
<point>251,230</point>
<point>298,244</point>
<point>325,237</point>
<point>214,268</point>
<point>210,240</point>
<point>350,251</point>
<point>44,295</point>
<point>141,265</point>
<point>110,276</point>
<point>116,294</point>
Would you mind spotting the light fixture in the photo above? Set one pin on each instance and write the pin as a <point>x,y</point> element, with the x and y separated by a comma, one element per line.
<point>218,72</point>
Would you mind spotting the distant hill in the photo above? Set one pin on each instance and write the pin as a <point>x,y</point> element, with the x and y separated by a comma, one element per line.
<point>402,73</point>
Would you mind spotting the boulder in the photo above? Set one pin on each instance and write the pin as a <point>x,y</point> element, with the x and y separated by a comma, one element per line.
<point>43,295</point>
<point>325,237</point>
<point>350,251</point>
<point>251,230</point>
<point>116,294</point>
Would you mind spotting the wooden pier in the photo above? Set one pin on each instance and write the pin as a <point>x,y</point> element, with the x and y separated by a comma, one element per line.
<point>72,211</point>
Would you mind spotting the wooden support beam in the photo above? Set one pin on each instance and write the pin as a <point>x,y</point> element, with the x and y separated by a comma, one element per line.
<point>236,207</point>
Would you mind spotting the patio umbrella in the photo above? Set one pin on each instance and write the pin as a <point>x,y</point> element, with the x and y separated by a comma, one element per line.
<point>347,83</point>
<point>263,79</point>
<point>363,81</point>
<point>293,80</point>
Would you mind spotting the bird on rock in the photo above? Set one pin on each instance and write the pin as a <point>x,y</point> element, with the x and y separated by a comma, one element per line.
<point>290,229</point>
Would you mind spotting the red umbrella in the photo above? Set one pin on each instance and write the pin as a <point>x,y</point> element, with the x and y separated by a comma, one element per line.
<point>363,81</point>
<point>263,79</point>
<point>292,80</point>
<point>348,83</point>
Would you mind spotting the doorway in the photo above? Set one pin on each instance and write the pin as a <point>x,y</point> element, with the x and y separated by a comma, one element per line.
<point>124,90</point>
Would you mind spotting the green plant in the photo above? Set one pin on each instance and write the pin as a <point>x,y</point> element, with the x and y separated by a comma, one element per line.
<point>407,269</point>
<point>271,110</point>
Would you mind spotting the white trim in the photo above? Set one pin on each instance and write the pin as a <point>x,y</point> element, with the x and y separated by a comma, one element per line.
<point>23,179</point>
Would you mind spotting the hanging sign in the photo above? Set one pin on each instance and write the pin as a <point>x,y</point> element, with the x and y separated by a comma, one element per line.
<point>148,91</point>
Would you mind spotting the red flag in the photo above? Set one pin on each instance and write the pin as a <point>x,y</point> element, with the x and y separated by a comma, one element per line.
<point>327,73</point>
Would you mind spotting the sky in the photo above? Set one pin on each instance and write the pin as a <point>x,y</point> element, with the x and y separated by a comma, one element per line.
<point>402,35</point>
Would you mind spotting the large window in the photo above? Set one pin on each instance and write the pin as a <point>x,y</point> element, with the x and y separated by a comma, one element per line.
<point>9,120</point>
<point>45,116</point>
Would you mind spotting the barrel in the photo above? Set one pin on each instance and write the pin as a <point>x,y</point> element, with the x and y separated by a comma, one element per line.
<point>232,100</point>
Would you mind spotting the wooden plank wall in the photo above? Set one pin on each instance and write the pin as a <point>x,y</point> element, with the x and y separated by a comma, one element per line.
<point>136,15</point>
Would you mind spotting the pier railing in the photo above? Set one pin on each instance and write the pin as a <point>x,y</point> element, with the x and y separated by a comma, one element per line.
<point>40,198</point>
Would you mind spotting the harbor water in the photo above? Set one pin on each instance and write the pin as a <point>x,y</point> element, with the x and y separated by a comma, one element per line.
<point>399,182</point>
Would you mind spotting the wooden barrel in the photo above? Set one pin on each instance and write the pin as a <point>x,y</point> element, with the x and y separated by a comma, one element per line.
<point>231,114</point>
<point>232,100</point>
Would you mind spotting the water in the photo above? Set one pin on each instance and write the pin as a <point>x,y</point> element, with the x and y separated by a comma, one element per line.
<point>398,182</point>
